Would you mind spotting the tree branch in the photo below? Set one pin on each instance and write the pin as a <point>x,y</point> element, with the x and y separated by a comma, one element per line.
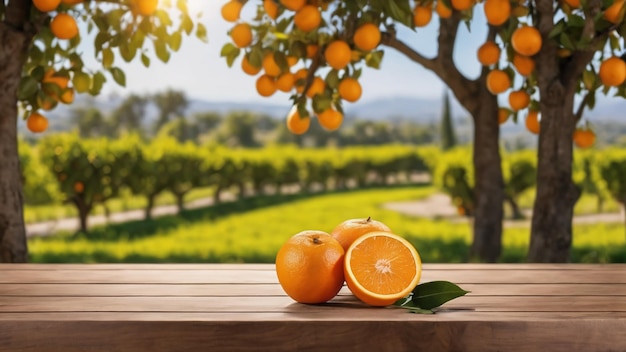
<point>17,13</point>
<point>581,108</point>
<point>581,58</point>
<point>390,40</point>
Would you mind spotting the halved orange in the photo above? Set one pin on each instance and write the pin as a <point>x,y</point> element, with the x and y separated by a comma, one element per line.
<point>381,267</point>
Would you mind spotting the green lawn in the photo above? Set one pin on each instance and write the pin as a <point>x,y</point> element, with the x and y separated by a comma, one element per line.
<point>252,231</point>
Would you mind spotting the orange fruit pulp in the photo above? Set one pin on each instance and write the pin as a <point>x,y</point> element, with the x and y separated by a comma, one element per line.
<point>381,268</point>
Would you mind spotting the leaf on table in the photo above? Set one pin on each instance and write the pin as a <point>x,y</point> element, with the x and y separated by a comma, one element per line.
<point>433,294</point>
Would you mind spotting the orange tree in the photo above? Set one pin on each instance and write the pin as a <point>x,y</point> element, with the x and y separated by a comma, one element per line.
<point>542,55</point>
<point>41,65</point>
<point>576,46</point>
<point>316,50</point>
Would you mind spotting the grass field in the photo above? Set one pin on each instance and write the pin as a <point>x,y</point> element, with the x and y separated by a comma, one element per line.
<point>252,231</point>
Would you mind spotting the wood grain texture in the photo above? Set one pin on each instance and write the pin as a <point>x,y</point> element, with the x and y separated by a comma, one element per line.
<point>218,276</point>
<point>245,290</point>
<point>241,307</point>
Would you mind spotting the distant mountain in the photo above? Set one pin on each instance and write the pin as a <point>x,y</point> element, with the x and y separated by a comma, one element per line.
<point>393,108</point>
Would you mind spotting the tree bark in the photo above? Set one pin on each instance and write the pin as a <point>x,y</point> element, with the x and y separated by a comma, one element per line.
<point>488,181</point>
<point>180,201</point>
<point>551,233</point>
<point>557,80</point>
<point>83,212</point>
<point>14,43</point>
<point>517,212</point>
<point>149,206</point>
<point>217,194</point>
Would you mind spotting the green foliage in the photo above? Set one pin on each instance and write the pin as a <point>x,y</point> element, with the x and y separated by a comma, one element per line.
<point>454,175</point>
<point>612,169</point>
<point>118,32</point>
<point>39,184</point>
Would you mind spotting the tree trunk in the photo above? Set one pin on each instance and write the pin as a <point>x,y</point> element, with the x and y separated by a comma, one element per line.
<point>83,212</point>
<point>551,233</point>
<point>149,206</point>
<point>14,44</point>
<point>517,212</point>
<point>488,184</point>
<point>241,193</point>
<point>13,247</point>
<point>217,194</point>
<point>180,201</point>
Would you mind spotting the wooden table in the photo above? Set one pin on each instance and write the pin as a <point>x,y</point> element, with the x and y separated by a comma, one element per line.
<point>223,307</point>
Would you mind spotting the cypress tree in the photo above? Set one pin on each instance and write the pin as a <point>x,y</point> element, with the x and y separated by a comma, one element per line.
<point>448,137</point>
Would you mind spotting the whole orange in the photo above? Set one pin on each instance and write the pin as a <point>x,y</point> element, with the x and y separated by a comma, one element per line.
<point>231,10</point>
<point>526,40</point>
<point>317,87</point>
<point>307,18</point>
<point>271,8</point>
<point>349,230</point>
<point>349,89</point>
<point>523,64</point>
<point>241,35</point>
<point>46,5</point>
<point>309,267</point>
<point>266,85</point>
<point>338,54</point>
<point>422,16</point>
<point>584,138</point>
<point>497,11</point>
<point>367,37</point>
<point>38,123</point>
<point>612,71</point>
<point>503,115</point>
<point>64,26</point>
<point>297,124</point>
<point>519,100</point>
<point>330,119</point>
<point>489,53</point>
<point>498,81</point>
<point>293,5</point>
<point>532,122</point>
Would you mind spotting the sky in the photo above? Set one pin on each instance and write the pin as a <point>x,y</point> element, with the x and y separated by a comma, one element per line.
<point>199,71</point>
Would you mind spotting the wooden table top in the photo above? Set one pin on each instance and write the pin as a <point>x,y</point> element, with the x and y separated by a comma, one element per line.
<point>223,307</point>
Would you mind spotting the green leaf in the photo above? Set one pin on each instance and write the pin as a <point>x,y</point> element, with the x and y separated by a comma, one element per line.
<point>118,76</point>
<point>161,51</point>
<point>201,33</point>
<point>566,41</point>
<point>145,60</point>
<point>81,82</point>
<point>27,88</point>
<point>400,11</point>
<point>374,59</point>
<point>107,58</point>
<point>332,79</point>
<point>432,294</point>
<point>97,83</point>
<point>557,29</point>
<point>175,41</point>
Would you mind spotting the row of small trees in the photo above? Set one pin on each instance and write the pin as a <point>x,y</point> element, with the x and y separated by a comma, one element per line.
<point>599,173</point>
<point>89,172</point>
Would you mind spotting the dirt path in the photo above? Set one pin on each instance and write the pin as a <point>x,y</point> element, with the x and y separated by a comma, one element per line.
<point>438,206</point>
<point>47,228</point>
